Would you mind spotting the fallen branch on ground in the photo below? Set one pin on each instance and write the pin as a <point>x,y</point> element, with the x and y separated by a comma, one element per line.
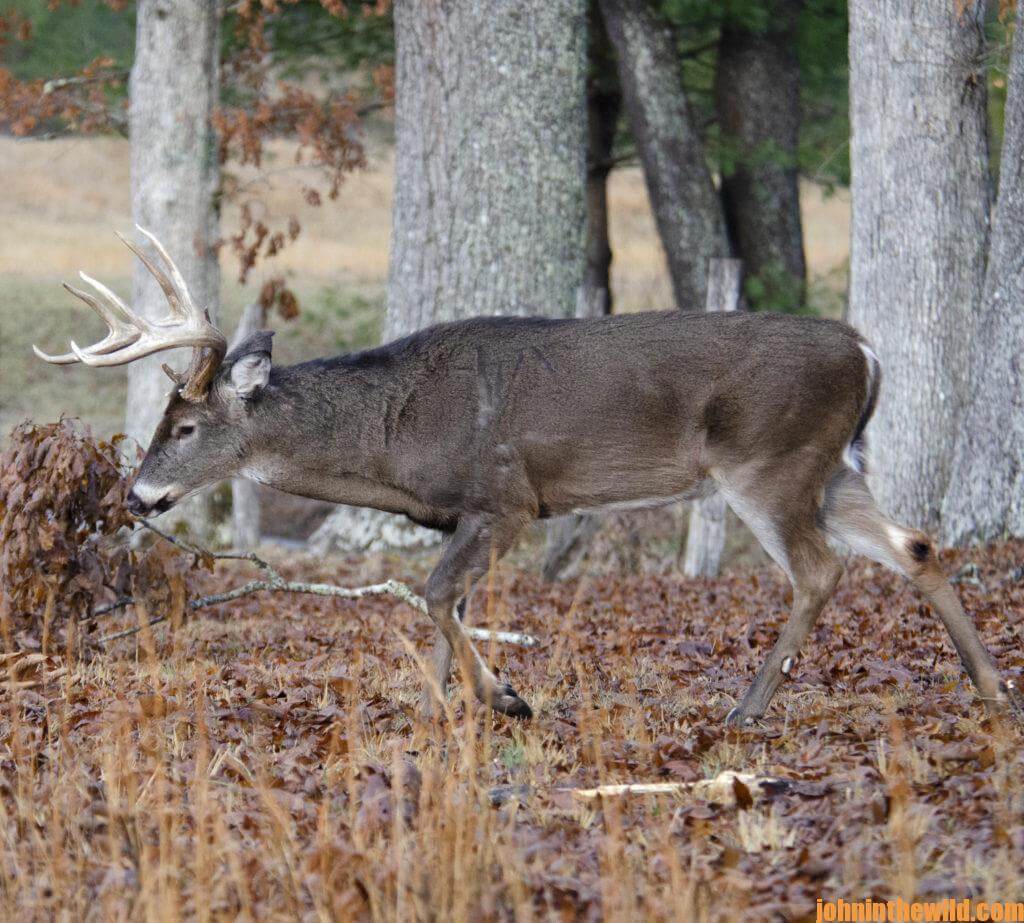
<point>273,582</point>
<point>727,788</point>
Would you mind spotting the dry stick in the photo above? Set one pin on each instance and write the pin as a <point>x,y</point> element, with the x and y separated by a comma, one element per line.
<point>274,582</point>
<point>721,788</point>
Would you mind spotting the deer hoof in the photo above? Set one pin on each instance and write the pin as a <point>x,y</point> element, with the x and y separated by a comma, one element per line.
<point>1012,700</point>
<point>737,719</point>
<point>505,700</point>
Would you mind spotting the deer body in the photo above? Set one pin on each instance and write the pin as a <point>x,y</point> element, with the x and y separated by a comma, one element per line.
<point>496,416</point>
<point>480,426</point>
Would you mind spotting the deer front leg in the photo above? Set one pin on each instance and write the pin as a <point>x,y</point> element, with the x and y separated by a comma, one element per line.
<point>441,658</point>
<point>463,562</point>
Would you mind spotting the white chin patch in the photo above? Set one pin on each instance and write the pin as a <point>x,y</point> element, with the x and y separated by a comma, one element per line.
<point>151,494</point>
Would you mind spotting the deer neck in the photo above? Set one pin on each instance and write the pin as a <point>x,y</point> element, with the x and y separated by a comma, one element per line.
<point>318,433</point>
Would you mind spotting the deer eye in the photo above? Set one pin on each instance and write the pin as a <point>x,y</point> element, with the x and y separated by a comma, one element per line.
<point>183,430</point>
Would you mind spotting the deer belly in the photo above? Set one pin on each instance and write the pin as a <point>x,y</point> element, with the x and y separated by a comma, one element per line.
<point>697,491</point>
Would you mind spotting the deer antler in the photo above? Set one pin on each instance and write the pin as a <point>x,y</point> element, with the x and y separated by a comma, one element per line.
<point>132,337</point>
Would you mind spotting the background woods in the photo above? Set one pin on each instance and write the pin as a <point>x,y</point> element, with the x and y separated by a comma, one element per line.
<point>349,171</point>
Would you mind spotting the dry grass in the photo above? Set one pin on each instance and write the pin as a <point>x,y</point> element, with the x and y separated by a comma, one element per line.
<point>269,762</point>
<point>64,197</point>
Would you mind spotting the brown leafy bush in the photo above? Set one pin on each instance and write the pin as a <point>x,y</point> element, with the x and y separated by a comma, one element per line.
<point>62,495</point>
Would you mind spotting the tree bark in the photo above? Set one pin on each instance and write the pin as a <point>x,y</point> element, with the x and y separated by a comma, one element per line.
<point>604,102</point>
<point>490,167</point>
<point>686,206</point>
<point>705,537</point>
<point>245,494</point>
<point>174,176</point>
<point>919,232</point>
<point>757,98</point>
<point>490,175</point>
<point>986,486</point>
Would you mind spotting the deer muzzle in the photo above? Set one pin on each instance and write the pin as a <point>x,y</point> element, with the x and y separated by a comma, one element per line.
<point>143,502</point>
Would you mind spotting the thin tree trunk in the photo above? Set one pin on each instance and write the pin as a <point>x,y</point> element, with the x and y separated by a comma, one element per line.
<point>604,102</point>
<point>490,174</point>
<point>686,206</point>
<point>245,494</point>
<point>919,232</point>
<point>757,97</point>
<point>986,486</point>
<point>705,537</point>
<point>174,177</point>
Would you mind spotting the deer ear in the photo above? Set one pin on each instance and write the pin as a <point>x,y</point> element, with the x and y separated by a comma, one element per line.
<point>250,375</point>
<point>249,365</point>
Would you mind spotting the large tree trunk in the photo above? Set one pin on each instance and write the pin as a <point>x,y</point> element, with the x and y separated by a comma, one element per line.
<point>920,231</point>
<point>986,485</point>
<point>490,172</point>
<point>490,165</point>
<point>174,176</point>
<point>757,97</point>
<point>686,206</point>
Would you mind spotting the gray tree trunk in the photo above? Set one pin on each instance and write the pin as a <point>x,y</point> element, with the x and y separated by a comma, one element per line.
<point>245,494</point>
<point>174,176</point>
<point>919,232</point>
<point>757,98</point>
<point>986,485</point>
<point>490,173</point>
<point>686,206</point>
<point>705,537</point>
<point>490,161</point>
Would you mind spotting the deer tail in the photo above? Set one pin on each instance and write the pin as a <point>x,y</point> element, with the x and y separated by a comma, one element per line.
<point>855,454</point>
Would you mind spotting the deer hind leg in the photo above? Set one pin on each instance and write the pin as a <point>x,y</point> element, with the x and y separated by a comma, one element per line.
<point>464,560</point>
<point>799,547</point>
<point>851,516</point>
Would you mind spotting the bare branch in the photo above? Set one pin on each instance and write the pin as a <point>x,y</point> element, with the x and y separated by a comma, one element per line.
<point>727,787</point>
<point>61,83</point>
<point>275,583</point>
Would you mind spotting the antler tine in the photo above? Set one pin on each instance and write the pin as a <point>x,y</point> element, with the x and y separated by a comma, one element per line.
<point>115,312</point>
<point>123,330</point>
<point>64,359</point>
<point>150,343</point>
<point>173,295</point>
<point>181,288</point>
<point>133,337</point>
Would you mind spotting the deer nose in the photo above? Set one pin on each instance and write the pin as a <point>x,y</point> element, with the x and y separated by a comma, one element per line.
<point>136,505</point>
<point>144,499</point>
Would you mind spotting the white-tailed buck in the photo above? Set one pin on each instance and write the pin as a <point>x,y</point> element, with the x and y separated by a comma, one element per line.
<point>480,426</point>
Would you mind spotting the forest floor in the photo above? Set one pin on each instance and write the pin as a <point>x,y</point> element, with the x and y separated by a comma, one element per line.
<point>267,760</point>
